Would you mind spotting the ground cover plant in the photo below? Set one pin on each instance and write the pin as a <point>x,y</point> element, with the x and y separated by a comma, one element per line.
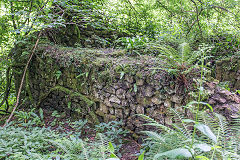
<point>25,139</point>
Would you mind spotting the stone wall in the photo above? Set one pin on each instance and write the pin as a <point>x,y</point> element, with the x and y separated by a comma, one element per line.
<point>106,84</point>
<point>103,85</point>
<point>228,69</point>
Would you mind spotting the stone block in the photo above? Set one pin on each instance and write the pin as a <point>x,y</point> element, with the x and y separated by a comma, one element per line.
<point>119,113</point>
<point>167,103</point>
<point>126,112</point>
<point>139,82</point>
<point>148,92</point>
<point>121,93</point>
<point>156,100</point>
<point>129,78</point>
<point>140,110</point>
<point>109,90</point>
<point>114,99</point>
<point>176,99</point>
<point>103,108</point>
<point>107,102</point>
<point>112,111</point>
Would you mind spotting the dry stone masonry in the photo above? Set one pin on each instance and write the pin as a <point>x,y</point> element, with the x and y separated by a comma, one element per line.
<point>105,85</point>
<point>228,69</point>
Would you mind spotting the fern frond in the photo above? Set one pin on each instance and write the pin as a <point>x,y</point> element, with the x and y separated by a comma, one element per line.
<point>154,135</point>
<point>84,150</point>
<point>103,146</point>
<point>155,124</point>
<point>185,50</point>
<point>60,143</point>
<point>185,131</point>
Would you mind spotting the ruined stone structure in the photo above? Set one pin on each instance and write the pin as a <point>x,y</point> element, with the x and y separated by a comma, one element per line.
<point>106,84</point>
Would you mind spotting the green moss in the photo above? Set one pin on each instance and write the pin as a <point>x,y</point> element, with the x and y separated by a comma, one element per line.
<point>28,89</point>
<point>117,53</point>
<point>139,75</point>
<point>93,117</point>
<point>89,103</point>
<point>108,118</point>
<point>101,61</point>
<point>105,76</point>
<point>71,95</point>
<point>77,31</point>
<point>146,101</point>
<point>83,98</point>
<point>100,113</point>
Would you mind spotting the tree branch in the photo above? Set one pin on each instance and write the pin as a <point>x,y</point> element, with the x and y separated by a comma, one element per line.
<point>13,17</point>
<point>197,14</point>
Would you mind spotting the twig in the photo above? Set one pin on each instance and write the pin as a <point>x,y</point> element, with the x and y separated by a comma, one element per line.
<point>40,10</point>
<point>197,14</point>
<point>13,17</point>
<point>165,7</point>
<point>23,77</point>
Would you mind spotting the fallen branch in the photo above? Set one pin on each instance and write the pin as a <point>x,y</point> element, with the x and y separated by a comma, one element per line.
<point>23,77</point>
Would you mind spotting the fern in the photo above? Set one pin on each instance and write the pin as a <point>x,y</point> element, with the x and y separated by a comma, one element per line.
<point>177,138</point>
<point>155,124</point>
<point>32,143</point>
<point>75,148</point>
<point>184,130</point>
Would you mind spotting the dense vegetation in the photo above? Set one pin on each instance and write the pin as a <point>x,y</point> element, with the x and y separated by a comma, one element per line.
<point>187,34</point>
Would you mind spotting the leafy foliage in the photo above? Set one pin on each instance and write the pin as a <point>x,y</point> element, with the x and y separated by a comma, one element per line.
<point>175,141</point>
<point>33,142</point>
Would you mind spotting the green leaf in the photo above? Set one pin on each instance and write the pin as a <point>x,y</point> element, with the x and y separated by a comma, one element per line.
<point>58,74</point>
<point>206,131</point>
<point>216,147</point>
<point>203,147</point>
<point>121,75</point>
<point>41,113</point>
<point>202,158</point>
<point>110,147</point>
<point>188,120</point>
<point>135,87</point>
<point>87,73</point>
<point>69,105</point>
<point>141,157</point>
<point>25,53</point>
<point>154,135</point>
<point>114,156</point>
<point>203,103</point>
<point>175,153</point>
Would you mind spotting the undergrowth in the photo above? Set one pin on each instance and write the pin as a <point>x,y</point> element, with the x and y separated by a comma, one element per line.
<point>199,134</point>
<point>23,140</point>
<point>215,138</point>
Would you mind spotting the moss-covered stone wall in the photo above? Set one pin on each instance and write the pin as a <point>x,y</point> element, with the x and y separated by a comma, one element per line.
<point>102,85</point>
<point>106,84</point>
<point>228,69</point>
